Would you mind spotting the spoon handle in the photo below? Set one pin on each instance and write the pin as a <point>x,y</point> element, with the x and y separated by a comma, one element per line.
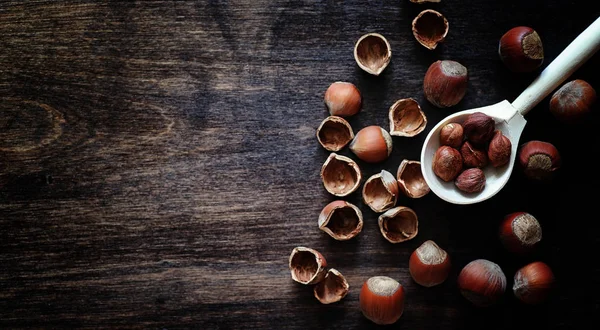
<point>569,60</point>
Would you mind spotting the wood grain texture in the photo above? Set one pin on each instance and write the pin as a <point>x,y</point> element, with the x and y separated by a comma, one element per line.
<point>158,163</point>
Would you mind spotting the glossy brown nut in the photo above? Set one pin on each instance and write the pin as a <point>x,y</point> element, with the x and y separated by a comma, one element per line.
<point>372,144</point>
<point>333,288</point>
<point>430,28</point>
<point>445,83</point>
<point>539,160</point>
<point>573,102</point>
<point>473,156</point>
<point>381,300</point>
<point>340,175</point>
<point>307,265</point>
<point>533,283</point>
<point>341,220</point>
<point>410,179</point>
<point>429,265</point>
<point>482,282</point>
<point>499,149</point>
<point>452,135</point>
<point>342,99</point>
<point>521,49</point>
<point>334,133</point>
<point>520,232</point>
<point>380,191</point>
<point>471,180</point>
<point>479,128</point>
<point>406,118</point>
<point>447,163</point>
<point>372,53</point>
<point>399,224</point>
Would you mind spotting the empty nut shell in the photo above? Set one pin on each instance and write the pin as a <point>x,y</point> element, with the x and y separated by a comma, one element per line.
<point>399,224</point>
<point>430,28</point>
<point>406,118</point>
<point>341,220</point>
<point>342,99</point>
<point>410,179</point>
<point>334,133</point>
<point>340,175</point>
<point>380,191</point>
<point>307,265</point>
<point>332,288</point>
<point>372,53</point>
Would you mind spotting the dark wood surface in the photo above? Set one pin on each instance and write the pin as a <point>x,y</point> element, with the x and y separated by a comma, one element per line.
<point>158,163</point>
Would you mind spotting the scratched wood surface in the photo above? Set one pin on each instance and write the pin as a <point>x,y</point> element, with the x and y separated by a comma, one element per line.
<point>158,163</point>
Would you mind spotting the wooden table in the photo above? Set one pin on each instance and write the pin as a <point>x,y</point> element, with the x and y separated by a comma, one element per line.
<point>158,163</point>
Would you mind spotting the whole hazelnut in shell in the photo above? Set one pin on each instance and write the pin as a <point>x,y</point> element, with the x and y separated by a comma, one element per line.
<point>573,102</point>
<point>445,83</point>
<point>482,282</point>
<point>521,49</point>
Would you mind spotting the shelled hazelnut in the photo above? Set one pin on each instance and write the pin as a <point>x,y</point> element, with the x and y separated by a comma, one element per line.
<point>447,163</point>
<point>479,128</point>
<point>471,180</point>
<point>381,300</point>
<point>499,149</point>
<point>452,135</point>
<point>473,156</point>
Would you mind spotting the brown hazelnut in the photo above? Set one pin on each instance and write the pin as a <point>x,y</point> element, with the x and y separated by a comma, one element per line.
<point>411,180</point>
<point>332,288</point>
<point>520,232</point>
<point>521,49</point>
<point>429,265</point>
<point>479,128</point>
<point>341,220</point>
<point>399,224</point>
<point>482,282</point>
<point>445,83</point>
<point>473,156</point>
<point>430,28</point>
<point>372,144</point>
<point>499,149</point>
<point>372,53</point>
<point>447,163</point>
<point>452,135</point>
<point>471,180</point>
<point>334,133</point>
<point>380,191</point>
<point>573,101</point>
<point>381,300</point>
<point>539,160</point>
<point>340,175</point>
<point>406,118</point>
<point>533,283</point>
<point>342,99</point>
<point>307,265</point>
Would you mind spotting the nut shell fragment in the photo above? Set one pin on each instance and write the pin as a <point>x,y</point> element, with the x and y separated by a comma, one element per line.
<point>380,191</point>
<point>340,175</point>
<point>332,288</point>
<point>399,224</point>
<point>430,28</point>
<point>334,133</point>
<point>372,53</point>
<point>410,179</point>
<point>406,118</point>
<point>341,220</point>
<point>307,265</point>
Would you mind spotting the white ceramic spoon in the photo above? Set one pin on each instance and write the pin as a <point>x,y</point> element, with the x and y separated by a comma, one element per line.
<point>509,118</point>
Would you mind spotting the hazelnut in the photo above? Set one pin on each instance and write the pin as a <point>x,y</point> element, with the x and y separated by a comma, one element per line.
<point>307,265</point>
<point>471,180</point>
<point>445,83</point>
<point>447,163</point>
<point>499,149</point>
<point>539,160</point>
<point>573,101</point>
<point>533,283</point>
<point>380,191</point>
<point>372,144</point>
<point>341,220</point>
<point>520,232</point>
<point>342,99</point>
<point>430,28</point>
<point>399,224</point>
<point>479,128</point>
<point>334,133</point>
<point>521,49</point>
<point>332,288</point>
<point>372,53</point>
<point>381,300</point>
<point>340,175</point>
<point>473,156</point>
<point>429,265</point>
<point>406,118</point>
<point>482,282</point>
<point>452,135</point>
<point>410,179</point>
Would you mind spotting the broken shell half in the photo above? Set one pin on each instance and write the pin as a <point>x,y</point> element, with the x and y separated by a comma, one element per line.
<point>372,53</point>
<point>380,191</point>
<point>399,224</point>
<point>410,179</point>
<point>430,28</point>
<point>332,288</point>
<point>334,133</point>
<point>406,118</point>
<point>307,265</point>
<point>340,175</point>
<point>341,220</point>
